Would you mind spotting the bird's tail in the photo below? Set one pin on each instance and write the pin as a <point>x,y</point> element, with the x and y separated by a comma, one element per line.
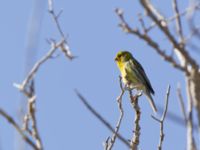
<point>151,101</point>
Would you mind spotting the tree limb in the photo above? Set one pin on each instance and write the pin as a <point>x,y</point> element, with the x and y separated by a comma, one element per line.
<point>100,118</point>
<point>18,129</point>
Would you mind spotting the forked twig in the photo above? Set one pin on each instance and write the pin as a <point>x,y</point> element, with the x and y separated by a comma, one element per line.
<point>64,46</point>
<point>110,141</point>
<point>161,121</point>
<point>18,129</point>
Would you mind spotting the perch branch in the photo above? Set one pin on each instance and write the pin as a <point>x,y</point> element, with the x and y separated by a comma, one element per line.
<point>136,132</point>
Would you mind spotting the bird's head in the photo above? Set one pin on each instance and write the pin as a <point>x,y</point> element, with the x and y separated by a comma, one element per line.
<point>123,56</point>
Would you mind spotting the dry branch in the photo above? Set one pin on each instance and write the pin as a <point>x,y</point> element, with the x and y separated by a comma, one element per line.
<point>136,132</point>
<point>155,16</point>
<point>161,121</point>
<point>64,45</point>
<point>18,129</point>
<point>183,61</point>
<point>27,86</point>
<point>111,141</point>
<point>191,145</point>
<point>31,74</point>
<point>178,23</point>
<point>102,119</point>
<point>145,37</point>
<point>182,105</point>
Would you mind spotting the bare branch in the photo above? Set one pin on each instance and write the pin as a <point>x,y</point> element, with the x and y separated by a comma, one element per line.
<point>126,28</point>
<point>31,74</point>
<point>64,46</point>
<point>191,145</point>
<point>136,132</point>
<point>19,130</point>
<point>180,14</point>
<point>119,101</point>
<point>31,113</point>
<point>163,27</point>
<point>142,23</point>
<point>180,97</point>
<point>30,117</point>
<point>161,121</point>
<point>99,117</point>
<point>106,143</point>
<point>178,22</point>
<point>27,86</point>
<point>55,18</point>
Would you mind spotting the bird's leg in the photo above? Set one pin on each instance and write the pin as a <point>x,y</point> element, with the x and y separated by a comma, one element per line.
<point>127,87</point>
<point>139,93</point>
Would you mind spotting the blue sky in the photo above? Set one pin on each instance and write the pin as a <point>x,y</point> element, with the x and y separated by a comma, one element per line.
<point>93,36</point>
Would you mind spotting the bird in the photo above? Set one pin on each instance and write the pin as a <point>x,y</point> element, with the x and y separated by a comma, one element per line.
<point>134,76</point>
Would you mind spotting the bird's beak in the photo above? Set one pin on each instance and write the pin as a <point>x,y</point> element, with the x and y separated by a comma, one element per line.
<point>116,59</point>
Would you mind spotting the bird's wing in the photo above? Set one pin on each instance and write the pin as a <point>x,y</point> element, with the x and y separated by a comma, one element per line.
<point>140,73</point>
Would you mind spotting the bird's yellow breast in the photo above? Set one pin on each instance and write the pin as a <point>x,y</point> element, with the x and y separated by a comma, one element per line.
<point>121,67</point>
<point>128,75</point>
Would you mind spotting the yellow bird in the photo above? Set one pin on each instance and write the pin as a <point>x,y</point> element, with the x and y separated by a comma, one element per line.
<point>134,76</point>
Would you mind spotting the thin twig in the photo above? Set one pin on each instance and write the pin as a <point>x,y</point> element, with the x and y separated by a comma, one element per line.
<point>135,140</point>
<point>119,101</point>
<point>106,143</point>
<point>140,17</point>
<point>176,118</point>
<point>18,129</point>
<point>31,74</point>
<point>64,45</point>
<point>171,19</point>
<point>161,121</point>
<point>178,22</point>
<point>55,18</point>
<point>180,97</point>
<point>99,117</point>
